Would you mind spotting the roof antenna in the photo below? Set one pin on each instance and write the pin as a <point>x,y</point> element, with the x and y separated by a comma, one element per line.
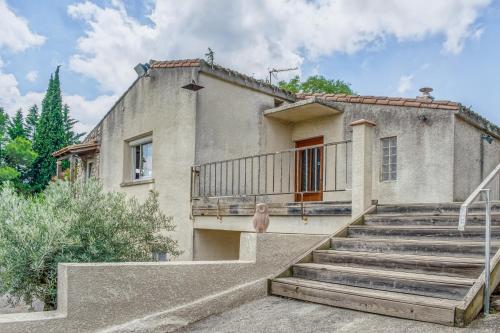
<point>274,71</point>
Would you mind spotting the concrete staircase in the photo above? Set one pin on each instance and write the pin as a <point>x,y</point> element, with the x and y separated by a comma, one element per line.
<point>403,261</point>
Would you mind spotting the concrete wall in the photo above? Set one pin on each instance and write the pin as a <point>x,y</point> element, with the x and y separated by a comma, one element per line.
<point>470,152</point>
<point>319,225</point>
<point>116,297</point>
<point>425,151</point>
<point>157,106</point>
<point>216,245</point>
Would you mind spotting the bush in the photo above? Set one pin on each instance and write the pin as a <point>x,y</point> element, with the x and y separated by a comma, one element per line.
<point>69,223</point>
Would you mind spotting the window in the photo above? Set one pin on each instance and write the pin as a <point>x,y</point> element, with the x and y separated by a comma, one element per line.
<point>389,159</point>
<point>142,160</point>
<point>88,170</point>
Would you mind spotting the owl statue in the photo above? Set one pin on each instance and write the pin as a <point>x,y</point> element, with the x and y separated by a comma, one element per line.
<point>261,218</point>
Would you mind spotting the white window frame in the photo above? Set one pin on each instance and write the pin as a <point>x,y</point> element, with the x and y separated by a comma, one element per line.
<point>389,159</point>
<point>133,146</point>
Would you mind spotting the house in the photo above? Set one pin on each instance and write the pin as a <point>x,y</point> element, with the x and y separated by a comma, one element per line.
<point>214,142</point>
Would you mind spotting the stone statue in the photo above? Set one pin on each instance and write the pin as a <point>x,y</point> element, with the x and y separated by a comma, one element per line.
<point>261,218</point>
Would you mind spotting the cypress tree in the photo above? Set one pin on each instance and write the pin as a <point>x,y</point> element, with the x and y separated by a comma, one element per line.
<point>49,134</point>
<point>71,136</point>
<point>31,121</point>
<point>16,126</point>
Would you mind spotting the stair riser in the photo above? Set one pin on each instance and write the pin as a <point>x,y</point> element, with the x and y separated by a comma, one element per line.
<point>466,270</point>
<point>430,221</point>
<point>411,248</point>
<point>431,209</point>
<point>414,287</point>
<point>452,234</point>
<point>368,304</point>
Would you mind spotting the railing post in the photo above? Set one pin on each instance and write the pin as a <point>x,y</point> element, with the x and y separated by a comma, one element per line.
<point>487,244</point>
<point>362,142</point>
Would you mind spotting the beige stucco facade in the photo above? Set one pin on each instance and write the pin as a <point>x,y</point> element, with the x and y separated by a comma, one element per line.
<point>241,123</point>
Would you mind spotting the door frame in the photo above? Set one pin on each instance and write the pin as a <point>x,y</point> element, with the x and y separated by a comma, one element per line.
<point>314,196</point>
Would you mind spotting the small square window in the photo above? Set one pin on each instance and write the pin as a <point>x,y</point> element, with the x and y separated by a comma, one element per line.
<point>389,159</point>
<point>142,161</point>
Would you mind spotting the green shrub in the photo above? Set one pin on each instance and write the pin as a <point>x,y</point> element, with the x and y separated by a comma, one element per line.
<point>73,222</point>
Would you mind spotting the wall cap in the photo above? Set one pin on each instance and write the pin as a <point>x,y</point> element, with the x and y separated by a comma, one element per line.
<point>362,122</point>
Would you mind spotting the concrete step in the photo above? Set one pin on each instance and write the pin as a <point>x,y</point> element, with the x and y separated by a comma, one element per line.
<point>412,246</point>
<point>448,266</point>
<point>434,208</point>
<point>475,219</point>
<point>447,287</point>
<point>423,232</point>
<point>430,309</point>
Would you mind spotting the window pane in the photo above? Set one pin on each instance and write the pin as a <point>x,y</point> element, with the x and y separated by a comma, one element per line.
<point>393,159</point>
<point>137,162</point>
<point>147,160</point>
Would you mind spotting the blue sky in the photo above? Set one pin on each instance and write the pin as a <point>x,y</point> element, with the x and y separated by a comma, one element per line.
<point>389,48</point>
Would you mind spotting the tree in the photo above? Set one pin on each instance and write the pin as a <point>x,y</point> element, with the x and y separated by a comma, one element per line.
<point>16,126</point>
<point>4,121</point>
<point>69,223</point>
<point>17,160</point>
<point>31,121</point>
<point>210,55</point>
<point>71,136</point>
<point>316,84</point>
<point>50,134</point>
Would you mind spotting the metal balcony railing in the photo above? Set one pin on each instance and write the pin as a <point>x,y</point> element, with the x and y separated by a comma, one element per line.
<point>486,190</point>
<point>297,171</point>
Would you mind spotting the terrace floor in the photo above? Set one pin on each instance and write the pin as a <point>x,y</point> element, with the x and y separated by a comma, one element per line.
<point>275,314</point>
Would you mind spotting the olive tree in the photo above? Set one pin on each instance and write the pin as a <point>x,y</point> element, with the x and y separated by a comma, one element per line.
<point>73,223</point>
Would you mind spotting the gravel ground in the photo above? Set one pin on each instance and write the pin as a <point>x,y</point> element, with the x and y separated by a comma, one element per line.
<point>275,314</point>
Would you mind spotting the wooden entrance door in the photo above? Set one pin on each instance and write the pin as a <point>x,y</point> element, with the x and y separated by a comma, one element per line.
<point>309,170</point>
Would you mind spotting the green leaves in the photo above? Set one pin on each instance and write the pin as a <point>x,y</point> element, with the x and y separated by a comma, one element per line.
<point>73,222</point>
<point>316,84</point>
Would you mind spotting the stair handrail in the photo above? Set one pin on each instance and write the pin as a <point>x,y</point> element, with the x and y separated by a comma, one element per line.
<point>487,239</point>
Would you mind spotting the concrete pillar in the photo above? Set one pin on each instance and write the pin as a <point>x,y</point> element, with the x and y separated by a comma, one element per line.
<point>362,143</point>
<point>58,169</point>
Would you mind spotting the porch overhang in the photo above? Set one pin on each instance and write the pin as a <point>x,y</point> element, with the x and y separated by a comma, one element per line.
<point>81,150</point>
<point>302,110</point>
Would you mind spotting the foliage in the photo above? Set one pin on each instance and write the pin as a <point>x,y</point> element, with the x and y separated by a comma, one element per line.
<point>71,136</point>
<point>4,121</point>
<point>16,126</point>
<point>210,56</point>
<point>50,134</point>
<point>316,84</point>
<point>73,222</point>
<point>20,156</point>
<point>8,173</point>
<point>31,121</point>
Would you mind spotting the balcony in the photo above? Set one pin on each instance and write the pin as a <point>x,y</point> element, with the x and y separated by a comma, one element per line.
<point>306,181</point>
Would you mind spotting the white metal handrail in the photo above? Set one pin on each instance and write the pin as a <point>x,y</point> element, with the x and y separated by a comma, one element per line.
<point>487,238</point>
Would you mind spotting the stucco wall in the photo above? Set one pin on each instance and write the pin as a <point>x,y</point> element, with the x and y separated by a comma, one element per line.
<point>216,245</point>
<point>319,225</point>
<point>425,151</point>
<point>98,296</point>
<point>467,159</point>
<point>156,105</point>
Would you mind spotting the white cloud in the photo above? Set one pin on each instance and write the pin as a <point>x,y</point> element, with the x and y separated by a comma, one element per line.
<point>252,36</point>
<point>32,76</point>
<point>87,112</point>
<point>14,31</point>
<point>405,83</point>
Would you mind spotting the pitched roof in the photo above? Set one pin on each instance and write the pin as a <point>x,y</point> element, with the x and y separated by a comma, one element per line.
<point>85,147</point>
<point>383,100</point>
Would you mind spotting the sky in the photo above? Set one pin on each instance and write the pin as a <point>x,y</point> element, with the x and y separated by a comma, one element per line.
<point>381,47</point>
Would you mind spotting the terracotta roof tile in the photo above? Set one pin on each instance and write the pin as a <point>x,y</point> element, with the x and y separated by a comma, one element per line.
<point>384,100</point>
<point>175,63</point>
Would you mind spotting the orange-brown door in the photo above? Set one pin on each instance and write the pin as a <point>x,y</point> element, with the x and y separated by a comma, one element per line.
<point>309,169</point>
